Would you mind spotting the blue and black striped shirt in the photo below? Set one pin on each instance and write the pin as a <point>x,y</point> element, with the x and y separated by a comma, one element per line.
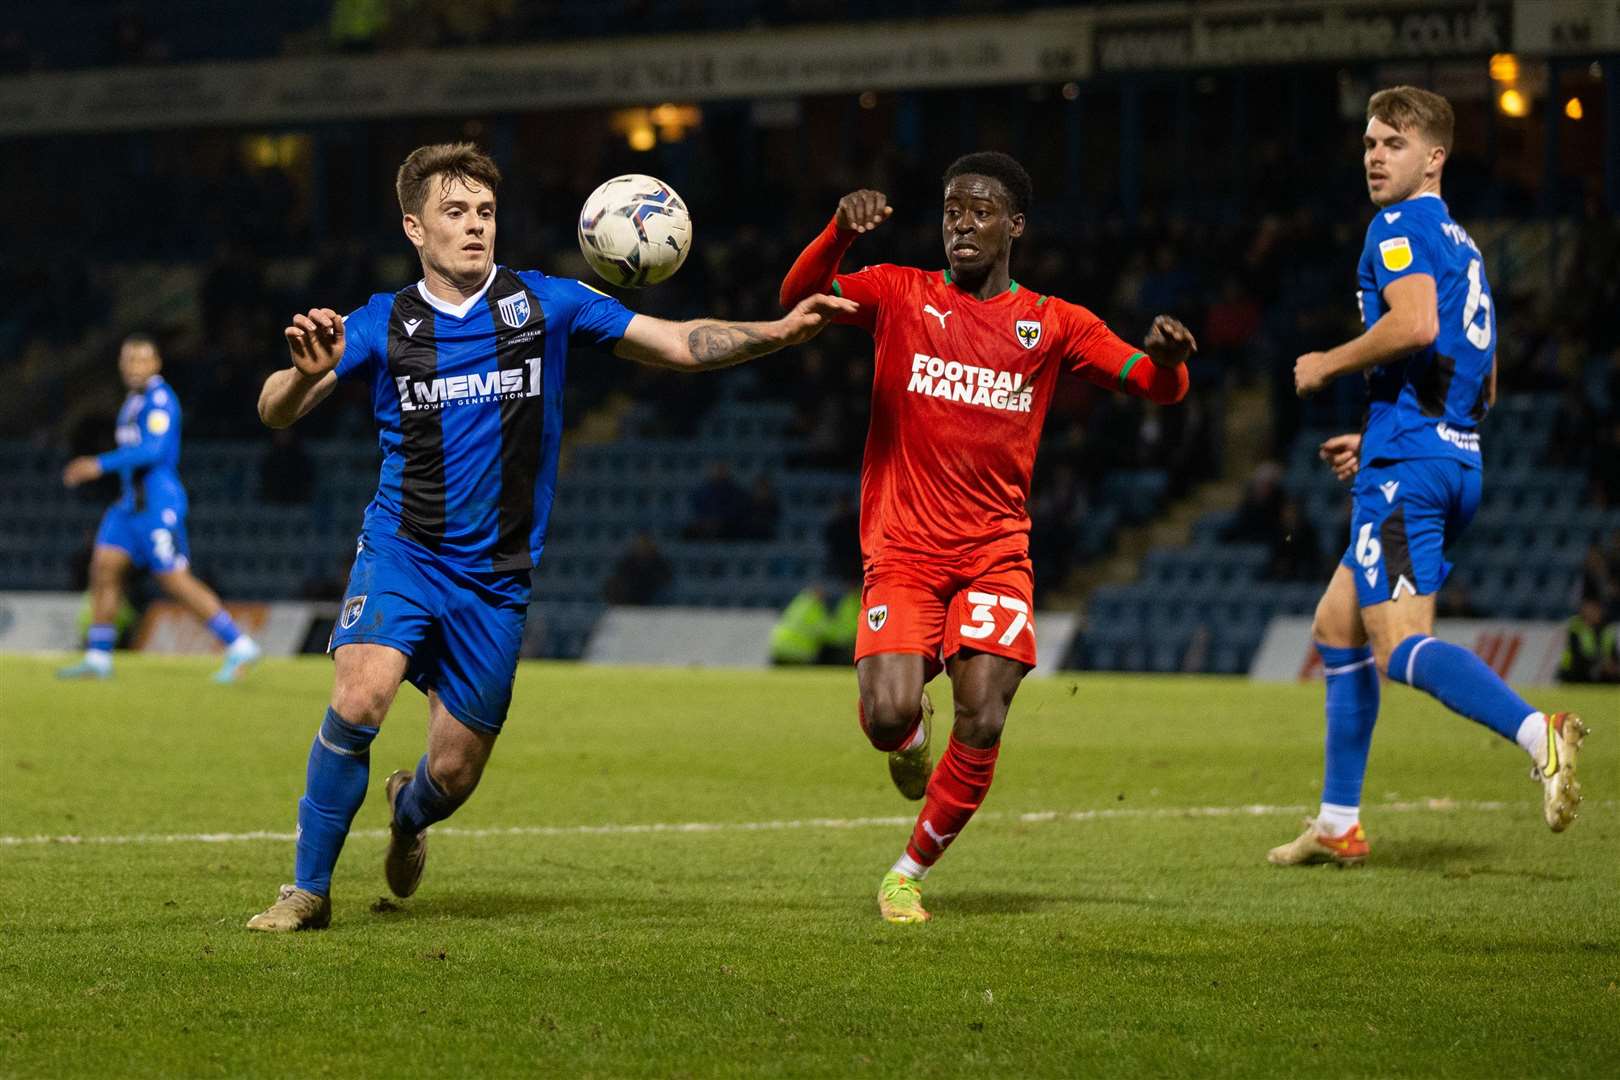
<point>468,400</point>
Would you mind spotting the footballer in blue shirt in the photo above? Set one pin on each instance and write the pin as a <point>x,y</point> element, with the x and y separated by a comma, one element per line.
<point>465,371</point>
<point>146,528</point>
<point>1415,469</point>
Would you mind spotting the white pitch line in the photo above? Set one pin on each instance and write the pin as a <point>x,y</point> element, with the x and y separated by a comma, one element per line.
<point>666,827</point>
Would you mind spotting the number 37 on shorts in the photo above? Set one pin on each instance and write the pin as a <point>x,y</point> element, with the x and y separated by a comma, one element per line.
<point>908,612</point>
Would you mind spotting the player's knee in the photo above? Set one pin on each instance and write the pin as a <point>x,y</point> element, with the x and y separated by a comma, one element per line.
<point>979,725</point>
<point>362,703</point>
<point>890,712</point>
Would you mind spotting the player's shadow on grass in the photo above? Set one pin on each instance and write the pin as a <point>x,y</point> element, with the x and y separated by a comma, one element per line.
<point>1457,860</point>
<point>1000,902</point>
<point>483,904</point>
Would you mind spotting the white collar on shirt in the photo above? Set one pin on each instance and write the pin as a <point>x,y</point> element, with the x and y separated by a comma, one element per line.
<point>444,307</point>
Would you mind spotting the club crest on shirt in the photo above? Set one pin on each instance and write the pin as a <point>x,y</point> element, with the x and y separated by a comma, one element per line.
<point>1029,333</point>
<point>877,617</point>
<point>352,608</point>
<point>514,309</point>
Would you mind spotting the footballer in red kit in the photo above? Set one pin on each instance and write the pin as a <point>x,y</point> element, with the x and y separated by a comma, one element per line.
<point>966,363</point>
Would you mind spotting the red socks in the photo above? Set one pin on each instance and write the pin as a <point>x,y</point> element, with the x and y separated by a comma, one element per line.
<point>960,782</point>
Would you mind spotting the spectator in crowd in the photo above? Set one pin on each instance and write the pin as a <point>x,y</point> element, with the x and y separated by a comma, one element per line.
<point>1296,551</point>
<point>1592,651</point>
<point>762,514</point>
<point>719,506</point>
<point>1600,574</point>
<point>640,576</point>
<point>1456,602</point>
<point>1259,516</point>
<point>1605,475</point>
<point>841,543</point>
<point>286,472</point>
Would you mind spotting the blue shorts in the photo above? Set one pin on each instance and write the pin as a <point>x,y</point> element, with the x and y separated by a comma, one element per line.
<point>155,538</point>
<point>1402,515</point>
<point>461,630</point>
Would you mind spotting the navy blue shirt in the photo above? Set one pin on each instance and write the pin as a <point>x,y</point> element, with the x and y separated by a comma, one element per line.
<point>1428,404</point>
<point>468,400</point>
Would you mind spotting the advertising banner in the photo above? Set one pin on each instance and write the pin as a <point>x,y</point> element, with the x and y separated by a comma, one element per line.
<point>1523,653</point>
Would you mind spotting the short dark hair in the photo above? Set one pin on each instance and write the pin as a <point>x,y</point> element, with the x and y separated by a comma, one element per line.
<point>997,166</point>
<point>1408,108</point>
<point>449,161</point>
<point>141,337</point>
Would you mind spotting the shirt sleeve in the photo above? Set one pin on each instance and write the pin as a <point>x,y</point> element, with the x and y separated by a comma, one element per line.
<point>595,318</point>
<point>1398,248</point>
<point>1098,355</point>
<point>365,337</point>
<point>867,287</point>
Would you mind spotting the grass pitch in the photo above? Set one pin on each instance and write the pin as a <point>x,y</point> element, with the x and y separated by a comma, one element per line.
<point>1085,924</point>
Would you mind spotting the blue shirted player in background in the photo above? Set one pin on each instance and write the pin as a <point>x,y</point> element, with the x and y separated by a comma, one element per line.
<point>465,370</point>
<point>146,527</point>
<point>1429,353</point>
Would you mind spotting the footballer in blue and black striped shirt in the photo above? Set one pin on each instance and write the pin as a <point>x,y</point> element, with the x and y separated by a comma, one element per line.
<point>465,369</point>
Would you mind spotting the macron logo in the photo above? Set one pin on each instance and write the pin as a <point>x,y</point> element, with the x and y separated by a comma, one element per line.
<point>1388,487</point>
<point>936,313</point>
<point>410,326</point>
<point>1393,217</point>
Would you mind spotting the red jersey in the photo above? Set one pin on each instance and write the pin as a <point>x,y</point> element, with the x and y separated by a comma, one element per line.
<point>959,398</point>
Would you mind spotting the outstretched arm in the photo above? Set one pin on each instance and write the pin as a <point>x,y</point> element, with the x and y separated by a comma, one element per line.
<point>1411,323</point>
<point>316,343</point>
<point>813,271</point>
<point>153,436</point>
<point>1109,361</point>
<point>707,344</point>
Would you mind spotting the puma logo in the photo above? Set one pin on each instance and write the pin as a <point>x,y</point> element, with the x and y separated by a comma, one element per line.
<point>928,827</point>
<point>936,313</point>
<point>410,326</point>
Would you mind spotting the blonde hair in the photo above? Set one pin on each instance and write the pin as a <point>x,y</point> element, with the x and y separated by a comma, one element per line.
<point>450,161</point>
<point>1407,108</point>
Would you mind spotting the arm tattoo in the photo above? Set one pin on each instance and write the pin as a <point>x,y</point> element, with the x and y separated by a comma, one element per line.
<point>723,344</point>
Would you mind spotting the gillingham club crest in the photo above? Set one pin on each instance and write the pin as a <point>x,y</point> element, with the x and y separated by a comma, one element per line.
<point>1029,333</point>
<point>514,309</point>
<point>352,608</point>
<point>877,617</point>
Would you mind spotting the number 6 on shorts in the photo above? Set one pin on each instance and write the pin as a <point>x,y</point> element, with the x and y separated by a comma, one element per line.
<point>984,617</point>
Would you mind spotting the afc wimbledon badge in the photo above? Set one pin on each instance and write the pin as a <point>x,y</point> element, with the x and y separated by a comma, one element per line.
<point>1029,333</point>
<point>514,309</point>
<point>877,616</point>
<point>352,608</point>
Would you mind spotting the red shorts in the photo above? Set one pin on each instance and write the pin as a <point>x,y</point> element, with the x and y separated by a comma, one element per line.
<point>937,608</point>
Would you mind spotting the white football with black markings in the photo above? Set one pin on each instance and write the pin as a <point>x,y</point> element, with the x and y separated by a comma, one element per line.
<point>634,231</point>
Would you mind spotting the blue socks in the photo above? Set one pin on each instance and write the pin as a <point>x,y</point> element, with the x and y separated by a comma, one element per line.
<point>1352,709</point>
<point>421,803</point>
<point>1461,681</point>
<point>223,628</point>
<point>101,638</point>
<point>334,788</point>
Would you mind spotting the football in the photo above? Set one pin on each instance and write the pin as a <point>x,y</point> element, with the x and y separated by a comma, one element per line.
<point>634,231</point>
